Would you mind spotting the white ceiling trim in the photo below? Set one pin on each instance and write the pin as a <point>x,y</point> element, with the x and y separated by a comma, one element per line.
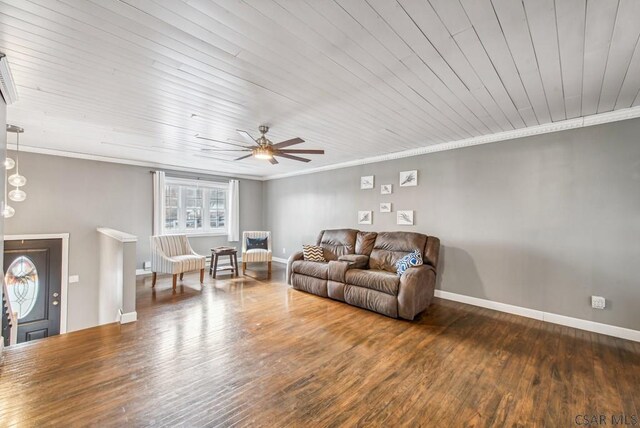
<point>580,122</point>
<point>155,165</point>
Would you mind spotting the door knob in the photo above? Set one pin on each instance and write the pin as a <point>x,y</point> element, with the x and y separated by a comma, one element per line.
<point>55,294</point>
<point>55,303</point>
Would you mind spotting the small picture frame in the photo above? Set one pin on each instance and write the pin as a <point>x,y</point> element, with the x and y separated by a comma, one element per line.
<point>365,217</point>
<point>405,218</point>
<point>385,207</point>
<point>386,189</point>
<point>366,182</point>
<point>408,178</point>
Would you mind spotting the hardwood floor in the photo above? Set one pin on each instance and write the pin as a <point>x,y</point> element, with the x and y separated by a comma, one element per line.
<point>253,352</point>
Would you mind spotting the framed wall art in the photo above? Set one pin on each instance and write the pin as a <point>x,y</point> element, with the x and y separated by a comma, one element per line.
<point>408,178</point>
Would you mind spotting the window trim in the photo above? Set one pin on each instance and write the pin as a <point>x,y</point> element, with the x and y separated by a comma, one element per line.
<point>206,230</point>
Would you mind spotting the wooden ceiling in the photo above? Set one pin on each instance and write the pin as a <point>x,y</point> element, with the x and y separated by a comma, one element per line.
<point>139,79</point>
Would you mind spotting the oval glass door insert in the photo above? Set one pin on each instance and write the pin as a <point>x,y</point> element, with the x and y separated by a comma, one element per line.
<point>22,285</point>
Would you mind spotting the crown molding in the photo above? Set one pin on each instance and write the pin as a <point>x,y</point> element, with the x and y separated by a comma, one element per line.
<point>99,158</point>
<point>580,122</point>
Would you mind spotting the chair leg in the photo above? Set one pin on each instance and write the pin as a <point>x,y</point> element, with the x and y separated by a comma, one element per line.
<point>175,280</point>
<point>181,275</point>
<point>153,279</point>
<point>235,260</point>
<point>202,276</point>
<point>269,268</point>
<point>244,267</point>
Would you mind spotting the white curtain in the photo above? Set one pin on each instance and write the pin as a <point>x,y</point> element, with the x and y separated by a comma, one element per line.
<point>158,202</point>
<point>234,211</point>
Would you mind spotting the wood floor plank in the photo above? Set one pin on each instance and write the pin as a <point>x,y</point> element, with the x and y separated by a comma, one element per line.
<point>250,351</point>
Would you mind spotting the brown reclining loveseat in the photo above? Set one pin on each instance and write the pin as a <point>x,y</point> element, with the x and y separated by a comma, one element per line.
<point>360,270</point>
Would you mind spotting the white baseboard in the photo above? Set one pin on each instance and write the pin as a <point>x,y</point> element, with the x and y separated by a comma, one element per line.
<point>596,327</point>
<point>142,272</point>
<point>279,260</point>
<point>128,317</point>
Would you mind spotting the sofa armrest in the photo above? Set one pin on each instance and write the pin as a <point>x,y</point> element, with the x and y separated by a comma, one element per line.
<point>295,256</point>
<point>356,261</point>
<point>338,269</point>
<point>417,285</point>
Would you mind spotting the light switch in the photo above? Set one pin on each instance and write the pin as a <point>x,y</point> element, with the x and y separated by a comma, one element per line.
<point>74,279</point>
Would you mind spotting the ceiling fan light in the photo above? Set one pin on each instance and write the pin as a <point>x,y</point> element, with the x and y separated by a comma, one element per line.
<point>262,153</point>
<point>17,180</point>
<point>17,195</point>
<point>9,163</point>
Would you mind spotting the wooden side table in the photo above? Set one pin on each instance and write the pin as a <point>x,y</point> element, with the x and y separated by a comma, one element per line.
<point>223,251</point>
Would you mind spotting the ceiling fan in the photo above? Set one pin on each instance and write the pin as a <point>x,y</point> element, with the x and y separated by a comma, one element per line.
<point>263,148</point>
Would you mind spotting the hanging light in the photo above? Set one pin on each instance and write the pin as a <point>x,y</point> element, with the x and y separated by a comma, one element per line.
<point>8,211</point>
<point>17,195</point>
<point>9,163</point>
<point>16,179</point>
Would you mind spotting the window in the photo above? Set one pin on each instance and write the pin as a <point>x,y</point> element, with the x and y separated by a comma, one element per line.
<point>195,206</point>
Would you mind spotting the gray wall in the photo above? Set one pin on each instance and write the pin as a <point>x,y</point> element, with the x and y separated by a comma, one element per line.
<point>541,222</point>
<point>77,196</point>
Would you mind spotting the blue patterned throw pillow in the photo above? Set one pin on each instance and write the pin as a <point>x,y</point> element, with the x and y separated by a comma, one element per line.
<point>412,259</point>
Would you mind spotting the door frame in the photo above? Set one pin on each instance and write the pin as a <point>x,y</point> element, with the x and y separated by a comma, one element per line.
<point>64,271</point>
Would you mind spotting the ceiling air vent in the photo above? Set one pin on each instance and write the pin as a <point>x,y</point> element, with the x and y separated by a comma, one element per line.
<point>7,87</point>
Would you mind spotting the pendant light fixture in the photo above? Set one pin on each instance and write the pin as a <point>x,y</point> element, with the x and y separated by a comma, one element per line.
<point>7,211</point>
<point>9,163</point>
<point>17,195</point>
<point>17,180</point>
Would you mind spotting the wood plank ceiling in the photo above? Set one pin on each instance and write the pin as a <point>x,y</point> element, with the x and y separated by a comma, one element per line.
<point>139,79</point>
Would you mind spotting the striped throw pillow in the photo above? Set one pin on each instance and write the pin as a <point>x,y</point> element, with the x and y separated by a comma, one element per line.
<point>412,259</point>
<point>313,253</point>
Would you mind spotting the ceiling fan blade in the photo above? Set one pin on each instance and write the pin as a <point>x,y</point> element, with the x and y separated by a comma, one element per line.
<point>298,158</point>
<point>246,136</point>
<point>288,143</point>
<point>307,151</point>
<point>273,161</point>
<point>243,157</point>
<point>225,150</point>
<point>223,142</point>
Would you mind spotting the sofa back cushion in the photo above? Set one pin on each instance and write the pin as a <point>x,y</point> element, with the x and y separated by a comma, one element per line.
<point>337,242</point>
<point>364,242</point>
<point>431,252</point>
<point>390,247</point>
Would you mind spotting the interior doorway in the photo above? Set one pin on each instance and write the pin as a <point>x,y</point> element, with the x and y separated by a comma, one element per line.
<point>36,278</point>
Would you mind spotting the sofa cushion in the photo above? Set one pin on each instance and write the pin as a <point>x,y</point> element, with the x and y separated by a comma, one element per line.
<point>378,280</point>
<point>392,246</point>
<point>314,269</point>
<point>313,253</point>
<point>414,258</point>
<point>337,242</point>
<point>365,242</point>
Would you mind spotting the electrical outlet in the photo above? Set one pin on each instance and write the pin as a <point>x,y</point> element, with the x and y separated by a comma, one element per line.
<point>73,279</point>
<point>284,251</point>
<point>146,265</point>
<point>597,302</point>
